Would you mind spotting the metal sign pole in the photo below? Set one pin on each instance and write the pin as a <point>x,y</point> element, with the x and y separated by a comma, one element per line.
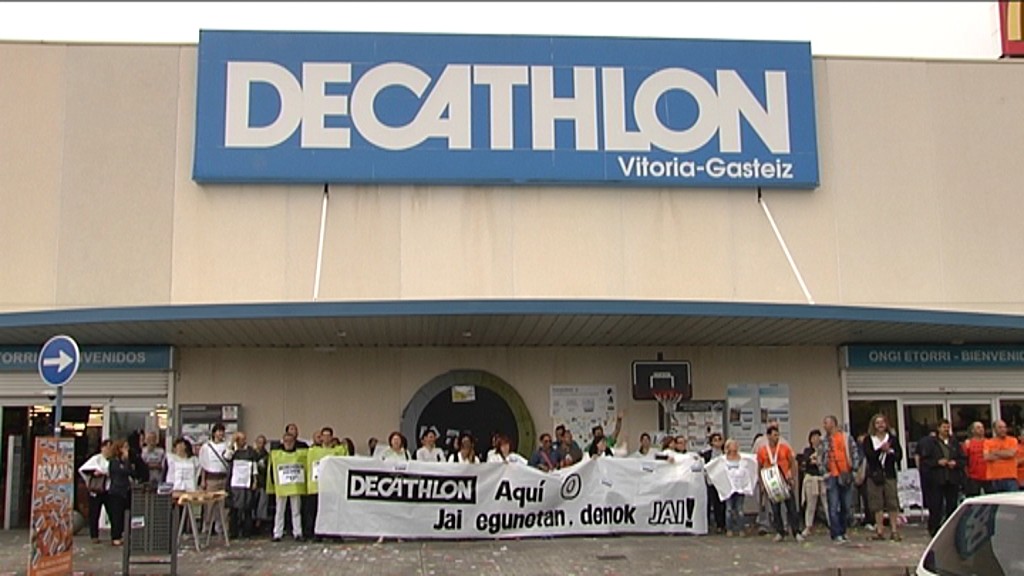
<point>58,411</point>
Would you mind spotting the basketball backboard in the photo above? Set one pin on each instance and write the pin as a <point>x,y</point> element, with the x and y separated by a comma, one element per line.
<point>654,375</point>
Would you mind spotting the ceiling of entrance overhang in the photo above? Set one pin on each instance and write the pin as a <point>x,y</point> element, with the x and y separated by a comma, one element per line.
<point>526,323</point>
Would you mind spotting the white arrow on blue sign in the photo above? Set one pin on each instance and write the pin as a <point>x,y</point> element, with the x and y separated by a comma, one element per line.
<point>59,360</point>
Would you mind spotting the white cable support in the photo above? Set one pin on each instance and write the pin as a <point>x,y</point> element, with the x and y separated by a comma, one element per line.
<point>320,245</point>
<point>785,249</point>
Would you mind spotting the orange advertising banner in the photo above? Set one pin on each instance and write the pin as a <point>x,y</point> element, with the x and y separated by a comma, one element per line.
<point>53,488</point>
<point>1011,23</point>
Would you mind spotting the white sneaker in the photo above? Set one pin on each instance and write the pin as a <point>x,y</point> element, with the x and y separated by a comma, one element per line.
<point>800,537</point>
<point>778,538</point>
<point>806,533</point>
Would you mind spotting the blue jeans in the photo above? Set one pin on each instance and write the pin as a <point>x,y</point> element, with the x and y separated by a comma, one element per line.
<point>838,506</point>
<point>1003,485</point>
<point>734,520</point>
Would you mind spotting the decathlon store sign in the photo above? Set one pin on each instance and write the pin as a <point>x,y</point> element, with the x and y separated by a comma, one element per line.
<point>412,108</point>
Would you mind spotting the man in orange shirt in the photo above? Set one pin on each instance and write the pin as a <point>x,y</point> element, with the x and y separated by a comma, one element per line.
<point>775,453</point>
<point>1001,459</point>
<point>977,468</point>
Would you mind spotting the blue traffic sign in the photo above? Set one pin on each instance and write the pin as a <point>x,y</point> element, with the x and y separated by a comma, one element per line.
<point>59,360</point>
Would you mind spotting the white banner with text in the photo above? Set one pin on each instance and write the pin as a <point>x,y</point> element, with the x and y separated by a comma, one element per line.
<point>371,498</point>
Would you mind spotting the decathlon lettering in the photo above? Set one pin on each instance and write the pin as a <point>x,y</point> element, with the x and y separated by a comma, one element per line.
<point>446,108</point>
<point>401,487</point>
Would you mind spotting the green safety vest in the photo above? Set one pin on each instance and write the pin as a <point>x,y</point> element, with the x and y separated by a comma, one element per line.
<point>289,466</point>
<point>313,456</point>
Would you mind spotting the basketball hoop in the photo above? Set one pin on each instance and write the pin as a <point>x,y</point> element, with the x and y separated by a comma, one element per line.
<point>668,398</point>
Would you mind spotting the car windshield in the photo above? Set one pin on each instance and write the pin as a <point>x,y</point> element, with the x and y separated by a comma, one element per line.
<point>980,539</point>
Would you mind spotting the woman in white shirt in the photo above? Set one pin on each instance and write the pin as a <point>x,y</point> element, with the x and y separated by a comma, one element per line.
<point>467,451</point>
<point>503,454</point>
<point>182,468</point>
<point>397,448</point>
<point>735,484</point>
<point>96,474</point>
<point>429,452</point>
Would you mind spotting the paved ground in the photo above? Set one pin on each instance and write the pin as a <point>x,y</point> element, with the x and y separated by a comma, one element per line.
<point>577,556</point>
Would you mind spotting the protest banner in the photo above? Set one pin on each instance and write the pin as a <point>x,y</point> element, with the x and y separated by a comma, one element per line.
<point>371,498</point>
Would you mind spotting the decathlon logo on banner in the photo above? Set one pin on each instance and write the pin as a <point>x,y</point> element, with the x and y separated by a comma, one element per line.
<point>402,487</point>
<point>304,107</point>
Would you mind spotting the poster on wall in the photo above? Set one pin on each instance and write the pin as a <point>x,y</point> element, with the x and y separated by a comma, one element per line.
<point>775,406</point>
<point>744,414</point>
<point>698,420</point>
<point>197,420</point>
<point>51,530</point>
<point>580,408</point>
<point>751,406</point>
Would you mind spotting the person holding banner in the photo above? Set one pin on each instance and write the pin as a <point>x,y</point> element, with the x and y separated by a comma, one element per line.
<point>570,450</point>
<point>398,448</point>
<point>96,475</point>
<point>504,454</point>
<point>546,458</point>
<point>328,447</point>
<point>778,478</point>
<point>428,450</point>
<point>467,451</point>
<point>599,447</point>
<point>286,480</point>
<point>597,433</point>
<point>646,451</point>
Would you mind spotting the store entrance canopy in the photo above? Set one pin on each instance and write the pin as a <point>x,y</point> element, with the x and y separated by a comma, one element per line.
<point>520,323</point>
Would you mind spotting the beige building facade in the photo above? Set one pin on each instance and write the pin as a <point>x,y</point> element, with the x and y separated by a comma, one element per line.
<point>916,222</point>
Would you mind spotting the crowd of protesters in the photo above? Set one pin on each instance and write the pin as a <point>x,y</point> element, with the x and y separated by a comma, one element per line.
<point>274,485</point>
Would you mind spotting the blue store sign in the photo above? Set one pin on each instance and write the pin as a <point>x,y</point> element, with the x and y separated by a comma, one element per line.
<point>450,109</point>
<point>93,358</point>
<point>935,356</point>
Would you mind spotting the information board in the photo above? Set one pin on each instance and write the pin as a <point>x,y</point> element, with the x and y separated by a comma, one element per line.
<point>698,420</point>
<point>197,420</point>
<point>580,408</point>
<point>752,406</point>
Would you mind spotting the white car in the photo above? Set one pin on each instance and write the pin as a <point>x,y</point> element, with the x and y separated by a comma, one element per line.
<point>983,537</point>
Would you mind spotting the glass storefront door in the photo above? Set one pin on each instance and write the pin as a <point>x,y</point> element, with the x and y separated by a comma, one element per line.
<point>920,418</point>
<point>914,417</point>
<point>1011,411</point>
<point>964,412</point>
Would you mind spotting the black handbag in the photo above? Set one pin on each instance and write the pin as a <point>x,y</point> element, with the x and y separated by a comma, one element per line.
<point>97,484</point>
<point>878,477</point>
